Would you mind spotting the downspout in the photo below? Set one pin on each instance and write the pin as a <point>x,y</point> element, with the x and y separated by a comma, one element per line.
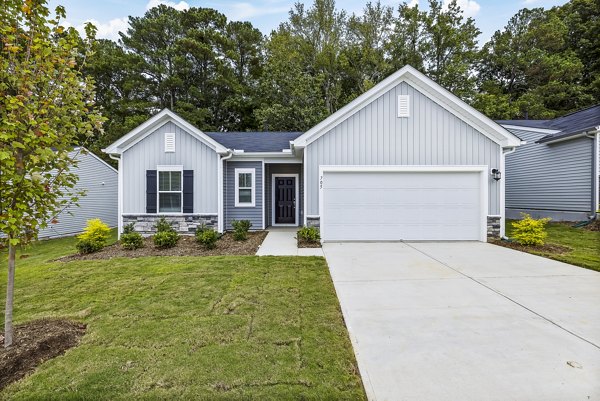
<point>221,200</point>
<point>596,173</point>
<point>506,151</point>
<point>119,195</point>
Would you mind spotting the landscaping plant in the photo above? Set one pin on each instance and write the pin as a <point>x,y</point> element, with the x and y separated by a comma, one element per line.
<point>166,236</point>
<point>46,106</point>
<point>207,237</point>
<point>130,239</point>
<point>530,231</point>
<point>240,229</point>
<point>309,234</point>
<point>94,237</point>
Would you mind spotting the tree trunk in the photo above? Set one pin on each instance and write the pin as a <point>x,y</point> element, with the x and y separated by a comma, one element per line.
<point>10,287</point>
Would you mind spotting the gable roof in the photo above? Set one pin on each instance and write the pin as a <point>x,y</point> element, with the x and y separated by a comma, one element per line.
<point>429,88</point>
<point>564,127</point>
<point>158,120</point>
<point>264,141</point>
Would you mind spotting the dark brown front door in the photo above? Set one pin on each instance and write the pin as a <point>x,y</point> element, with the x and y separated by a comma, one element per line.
<point>285,200</point>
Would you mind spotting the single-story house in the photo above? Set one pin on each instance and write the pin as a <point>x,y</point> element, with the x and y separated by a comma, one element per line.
<point>99,180</point>
<point>407,160</point>
<point>557,173</point>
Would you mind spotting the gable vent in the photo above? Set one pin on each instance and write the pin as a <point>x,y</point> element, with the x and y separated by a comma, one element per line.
<point>170,142</point>
<point>403,106</point>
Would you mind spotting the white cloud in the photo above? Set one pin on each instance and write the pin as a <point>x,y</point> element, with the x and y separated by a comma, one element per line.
<point>108,30</point>
<point>413,3</point>
<point>469,7</point>
<point>245,11</point>
<point>181,6</point>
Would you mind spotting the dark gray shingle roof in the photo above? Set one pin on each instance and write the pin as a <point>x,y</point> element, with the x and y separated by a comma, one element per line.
<point>264,141</point>
<point>568,125</point>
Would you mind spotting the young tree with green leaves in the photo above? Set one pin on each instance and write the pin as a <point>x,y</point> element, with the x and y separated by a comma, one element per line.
<point>45,105</point>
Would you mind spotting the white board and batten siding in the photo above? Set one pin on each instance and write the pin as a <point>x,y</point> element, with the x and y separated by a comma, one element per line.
<point>189,152</point>
<point>550,176</point>
<point>375,135</point>
<point>100,181</point>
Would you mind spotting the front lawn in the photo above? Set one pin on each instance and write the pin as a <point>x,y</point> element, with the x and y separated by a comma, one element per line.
<point>232,327</point>
<point>584,245</point>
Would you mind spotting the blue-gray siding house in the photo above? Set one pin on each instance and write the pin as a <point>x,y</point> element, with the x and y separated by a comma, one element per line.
<point>556,173</point>
<point>99,181</point>
<point>405,160</point>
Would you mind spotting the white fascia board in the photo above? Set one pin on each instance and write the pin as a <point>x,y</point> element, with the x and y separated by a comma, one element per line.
<point>95,156</point>
<point>424,84</point>
<point>399,169</point>
<point>145,129</point>
<point>531,129</point>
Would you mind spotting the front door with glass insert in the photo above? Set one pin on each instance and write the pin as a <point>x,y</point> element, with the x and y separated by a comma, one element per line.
<point>285,200</point>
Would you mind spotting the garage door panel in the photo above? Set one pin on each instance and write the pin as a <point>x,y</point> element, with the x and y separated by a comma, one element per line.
<point>401,206</point>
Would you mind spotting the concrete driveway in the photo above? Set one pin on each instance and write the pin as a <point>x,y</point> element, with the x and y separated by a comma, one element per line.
<point>468,321</point>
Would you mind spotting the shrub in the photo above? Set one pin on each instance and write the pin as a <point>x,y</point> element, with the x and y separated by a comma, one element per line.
<point>309,234</point>
<point>130,239</point>
<point>207,237</point>
<point>529,231</point>
<point>240,229</point>
<point>94,237</point>
<point>162,225</point>
<point>165,239</point>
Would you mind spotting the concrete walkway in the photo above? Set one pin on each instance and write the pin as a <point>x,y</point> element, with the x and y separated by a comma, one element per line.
<point>281,241</point>
<point>468,321</point>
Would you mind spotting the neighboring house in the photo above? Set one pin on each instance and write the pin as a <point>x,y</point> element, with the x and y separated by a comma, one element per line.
<point>406,160</point>
<point>99,180</point>
<point>556,174</point>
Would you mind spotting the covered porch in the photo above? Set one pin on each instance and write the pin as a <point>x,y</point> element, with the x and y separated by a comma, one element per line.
<point>284,194</point>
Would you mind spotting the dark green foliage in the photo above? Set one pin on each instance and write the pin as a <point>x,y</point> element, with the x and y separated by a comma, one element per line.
<point>309,234</point>
<point>207,238</point>
<point>85,246</point>
<point>162,225</point>
<point>165,239</point>
<point>130,239</point>
<point>240,229</point>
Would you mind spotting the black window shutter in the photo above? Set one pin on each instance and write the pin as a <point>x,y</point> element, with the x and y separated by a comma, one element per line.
<point>188,191</point>
<point>151,191</point>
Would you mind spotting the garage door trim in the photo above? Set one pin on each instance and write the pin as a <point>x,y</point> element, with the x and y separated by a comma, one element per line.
<point>481,169</point>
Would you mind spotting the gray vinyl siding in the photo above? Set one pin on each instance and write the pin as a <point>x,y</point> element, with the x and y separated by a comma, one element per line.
<point>100,202</point>
<point>254,214</point>
<point>375,135</point>
<point>190,152</point>
<point>276,168</point>
<point>555,176</point>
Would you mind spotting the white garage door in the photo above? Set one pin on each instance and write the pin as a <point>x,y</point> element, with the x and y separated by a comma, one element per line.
<point>402,205</point>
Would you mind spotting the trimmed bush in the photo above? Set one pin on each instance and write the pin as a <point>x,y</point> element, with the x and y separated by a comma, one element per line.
<point>207,237</point>
<point>240,229</point>
<point>130,239</point>
<point>165,239</point>
<point>309,234</point>
<point>530,231</point>
<point>162,225</point>
<point>94,237</point>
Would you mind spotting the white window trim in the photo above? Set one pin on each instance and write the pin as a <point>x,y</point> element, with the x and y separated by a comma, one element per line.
<point>239,171</point>
<point>158,191</point>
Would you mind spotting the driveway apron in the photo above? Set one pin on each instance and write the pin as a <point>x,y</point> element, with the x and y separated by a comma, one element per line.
<point>468,321</point>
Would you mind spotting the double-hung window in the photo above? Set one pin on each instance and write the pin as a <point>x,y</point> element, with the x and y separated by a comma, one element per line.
<point>170,189</point>
<point>244,187</point>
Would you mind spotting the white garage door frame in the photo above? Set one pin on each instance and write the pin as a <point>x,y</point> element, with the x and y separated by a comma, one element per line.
<point>481,169</point>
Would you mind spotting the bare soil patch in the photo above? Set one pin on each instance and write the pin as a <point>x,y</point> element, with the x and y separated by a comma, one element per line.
<point>187,246</point>
<point>302,243</point>
<point>36,342</point>
<point>546,248</point>
<point>593,226</point>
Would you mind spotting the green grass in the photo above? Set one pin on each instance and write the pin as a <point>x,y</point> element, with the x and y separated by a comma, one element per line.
<point>584,244</point>
<point>214,328</point>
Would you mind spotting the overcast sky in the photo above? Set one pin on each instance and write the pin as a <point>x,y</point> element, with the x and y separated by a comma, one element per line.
<point>110,16</point>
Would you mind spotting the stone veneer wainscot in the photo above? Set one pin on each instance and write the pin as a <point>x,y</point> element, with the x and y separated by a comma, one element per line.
<point>182,223</point>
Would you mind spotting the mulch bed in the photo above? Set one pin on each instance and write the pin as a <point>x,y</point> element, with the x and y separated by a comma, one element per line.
<point>546,248</point>
<point>593,226</point>
<point>302,243</point>
<point>34,343</point>
<point>187,246</point>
